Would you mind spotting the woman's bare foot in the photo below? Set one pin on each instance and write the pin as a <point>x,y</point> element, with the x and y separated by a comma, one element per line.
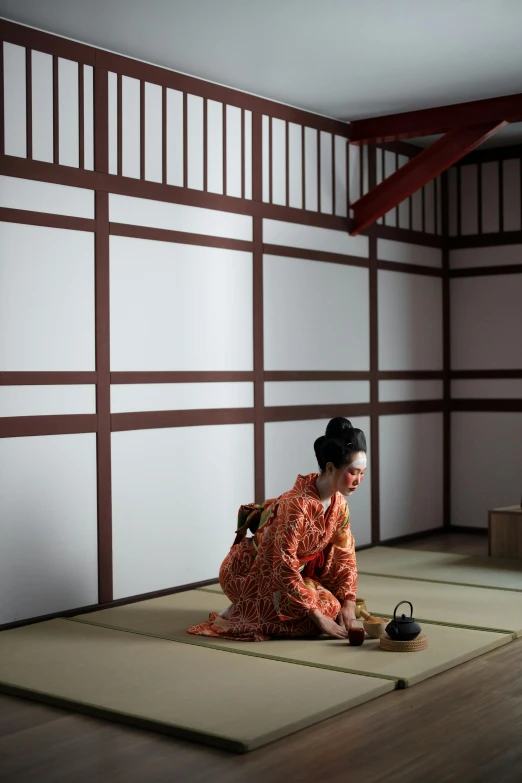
<point>225,614</point>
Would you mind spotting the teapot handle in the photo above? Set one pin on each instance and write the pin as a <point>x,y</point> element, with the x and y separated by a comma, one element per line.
<point>400,604</point>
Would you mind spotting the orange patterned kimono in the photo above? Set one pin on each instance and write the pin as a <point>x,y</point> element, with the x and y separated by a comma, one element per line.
<point>264,577</point>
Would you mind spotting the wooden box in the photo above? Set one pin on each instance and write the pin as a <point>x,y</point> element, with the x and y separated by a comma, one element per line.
<point>505,532</point>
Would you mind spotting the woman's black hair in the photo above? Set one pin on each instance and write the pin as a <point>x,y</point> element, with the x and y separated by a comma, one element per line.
<point>340,441</point>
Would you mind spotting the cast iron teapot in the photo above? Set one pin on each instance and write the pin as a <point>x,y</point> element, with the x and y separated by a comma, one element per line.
<point>403,629</point>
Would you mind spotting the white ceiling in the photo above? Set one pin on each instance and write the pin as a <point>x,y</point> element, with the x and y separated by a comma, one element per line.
<point>343,58</point>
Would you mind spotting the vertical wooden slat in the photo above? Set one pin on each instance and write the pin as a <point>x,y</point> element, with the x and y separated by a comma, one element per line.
<point>446,356</point>
<point>81,119</point>
<point>224,149</point>
<point>29,102</point>
<point>459,200</point>
<point>374,361</point>
<point>397,210</point>
<point>164,134</point>
<point>348,179</point>
<point>318,170</point>
<point>479,198</point>
<point>103,391</point>
<point>205,144</point>
<point>270,177</point>
<point>287,163</point>
<point>185,142</point>
<point>501,195</point>
<point>2,127</point>
<point>101,119</point>
<point>243,164</point>
<point>259,390</point>
<point>119,123</point>
<point>361,150</point>
<point>257,309</point>
<point>56,129</point>
<point>333,174</point>
<point>436,203</point>
<point>142,129</point>
<point>303,166</point>
<point>381,153</point>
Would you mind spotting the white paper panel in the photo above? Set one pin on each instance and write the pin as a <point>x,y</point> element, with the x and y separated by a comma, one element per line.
<point>154,478</point>
<point>389,169</point>
<point>311,185</point>
<point>195,141</point>
<point>48,557</point>
<point>296,336</point>
<point>247,162</point>
<point>295,162</point>
<point>278,161</point>
<point>178,217</point>
<point>153,132</point>
<point>46,298</point>
<point>277,232</point>
<point>266,158</point>
<point>214,147</point>
<point>130,143</point>
<point>289,451</point>
<point>502,255</point>
<point>487,388</point>
<point>410,321</point>
<point>405,390</point>
<point>429,203</point>
<point>192,307</point>
<point>316,392</point>
<point>326,173</point>
<point>340,144</point>
<point>407,253</point>
<point>42,106</point>
<point>410,472</point>
<point>511,193</point>
<point>113,123</point>
<point>68,113</point>
<point>18,193</point>
<point>234,168</point>
<point>47,400</point>
<point>486,454</point>
<point>490,197</point>
<point>486,322</point>
<point>180,396</point>
<point>469,199</point>
<point>452,201</point>
<point>88,117</point>
<point>404,206</point>
<point>15,139</point>
<point>175,138</point>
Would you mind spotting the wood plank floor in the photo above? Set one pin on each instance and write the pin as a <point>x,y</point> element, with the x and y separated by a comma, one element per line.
<point>464,725</point>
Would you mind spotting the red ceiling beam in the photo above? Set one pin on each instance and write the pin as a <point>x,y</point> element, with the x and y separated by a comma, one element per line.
<point>429,122</point>
<point>427,165</point>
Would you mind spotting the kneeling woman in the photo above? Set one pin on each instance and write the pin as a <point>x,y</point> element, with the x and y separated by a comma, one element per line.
<point>297,576</point>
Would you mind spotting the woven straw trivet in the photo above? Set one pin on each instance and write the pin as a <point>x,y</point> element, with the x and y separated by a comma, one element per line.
<point>420,643</point>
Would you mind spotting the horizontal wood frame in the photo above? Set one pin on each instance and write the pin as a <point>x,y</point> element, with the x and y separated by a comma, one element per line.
<point>102,183</point>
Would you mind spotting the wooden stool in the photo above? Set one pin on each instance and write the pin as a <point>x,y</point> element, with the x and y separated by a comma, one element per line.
<point>505,532</point>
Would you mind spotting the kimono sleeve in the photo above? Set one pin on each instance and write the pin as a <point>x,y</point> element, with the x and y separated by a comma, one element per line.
<point>339,574</point>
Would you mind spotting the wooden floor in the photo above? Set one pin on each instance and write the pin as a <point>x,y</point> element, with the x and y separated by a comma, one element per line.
<point>464,725</point>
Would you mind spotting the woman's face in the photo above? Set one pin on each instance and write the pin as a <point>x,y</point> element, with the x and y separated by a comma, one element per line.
<point>347,478</point>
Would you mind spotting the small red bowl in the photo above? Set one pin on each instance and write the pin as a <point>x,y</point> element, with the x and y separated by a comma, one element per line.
<point>356,636</point>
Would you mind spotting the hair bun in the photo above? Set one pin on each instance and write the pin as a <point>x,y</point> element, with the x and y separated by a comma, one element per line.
<point>318,446</point>
<point>339,428</point>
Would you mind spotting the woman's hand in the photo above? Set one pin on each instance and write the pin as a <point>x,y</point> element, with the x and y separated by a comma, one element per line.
<point>346,616</point>
<point>328,626</point>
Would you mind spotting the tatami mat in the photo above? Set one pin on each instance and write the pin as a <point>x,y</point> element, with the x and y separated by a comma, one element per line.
<point>169,617</point>
<point>231,701</point>
<point>459,605</point>
<point>499,573</point>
